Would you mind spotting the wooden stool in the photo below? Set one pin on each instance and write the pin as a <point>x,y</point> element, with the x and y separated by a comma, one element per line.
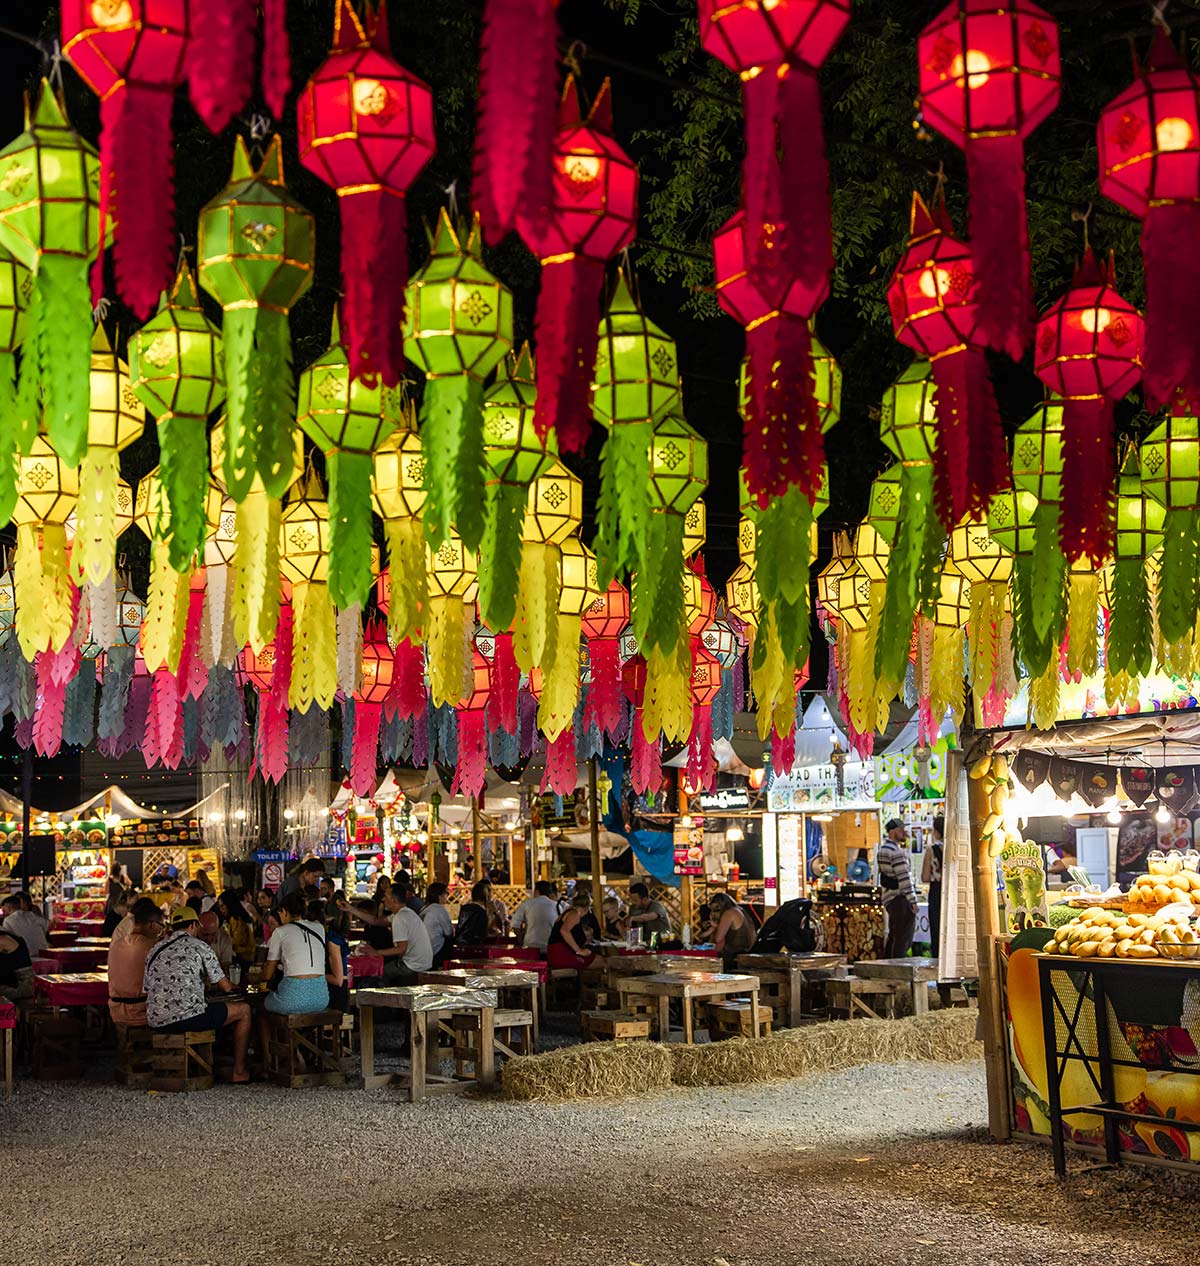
<point>183,1061</point>
<point>593,999</point>
<point>55,1046</point>
<point>306,1050</point>
<point>557,987</point>
<point>846,997</point>
<point>135,1056</point>
<point>732,1019</point>
<point>513,1035</point>
<point>615,1026</point>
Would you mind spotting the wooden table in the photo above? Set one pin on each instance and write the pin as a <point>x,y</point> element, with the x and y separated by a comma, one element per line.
<point>801,969</point>
<point>487,976</point>
<point>688,987</point>
<point>423,1002</point>
<point>916,973</point>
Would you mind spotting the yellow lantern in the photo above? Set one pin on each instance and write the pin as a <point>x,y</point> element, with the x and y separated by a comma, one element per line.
<point>220,552</point>
<point>579,587</point>
<point>695,529</point>
<point>980,559</point>
<point>553,513</point>
<point>304,564</point>
<point>741,597</point>
<point>831,574</point>
<point>398,485</point>
<point>452,575</point>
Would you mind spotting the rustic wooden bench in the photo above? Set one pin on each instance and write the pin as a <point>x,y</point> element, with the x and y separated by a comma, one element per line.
<point>183,1061</point>
<point>615,1026</point>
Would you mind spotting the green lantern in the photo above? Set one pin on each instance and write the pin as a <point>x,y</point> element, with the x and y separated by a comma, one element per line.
<point>1028,531</point>
<point>1140,520</point>
<point>346,419</point>
<point>49,220</point>
<point>175,370</point>
<point>636,383</point>
<point>1170,462</point>
<point>398,485</point>
<point>515,457</point>
<point>16,286</point>
<point>256,253</point>
<point>884,504</point>
<point>458,325</point>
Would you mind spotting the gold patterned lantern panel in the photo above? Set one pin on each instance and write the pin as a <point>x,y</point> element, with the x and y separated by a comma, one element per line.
<point>304,564</point>
<point>695,529</point>
<point>554,509</point>
<point>742,598</point>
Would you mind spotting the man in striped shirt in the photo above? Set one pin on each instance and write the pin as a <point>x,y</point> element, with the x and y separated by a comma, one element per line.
<point>899,892</point>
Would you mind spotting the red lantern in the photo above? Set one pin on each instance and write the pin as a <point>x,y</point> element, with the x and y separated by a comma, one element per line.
<point>366,127</point>
<point>514,132</point>
<point>782,444</point>
<point>131,54</point>
<point>603,623</point>
<point>777,46</point>
<point>220,65</point>
<point>374,686</point>
<point>470,773</point>
<point>706,685</point>
<point>989,73</point>
<point>1149,149</point>
<point>407,697</point>
<point>593,217</point>
<point>1088,350</point>
<point>934,300</point>
<point>271,673</point>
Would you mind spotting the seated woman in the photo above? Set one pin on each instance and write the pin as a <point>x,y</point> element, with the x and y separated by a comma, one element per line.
<point>735,933</point>
<point>706,928</point>
<point>474,919</point>
<point>336,925</point>
<point>300,950</point>
<point>16,968</point>
<point>567,946</point>
<point>614,919</point>
<point>239,923</point>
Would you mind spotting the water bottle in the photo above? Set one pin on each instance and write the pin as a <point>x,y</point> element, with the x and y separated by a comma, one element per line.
<point>686,936</point>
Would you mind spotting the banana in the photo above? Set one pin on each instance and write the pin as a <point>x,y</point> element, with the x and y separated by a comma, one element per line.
<point>981,767</point>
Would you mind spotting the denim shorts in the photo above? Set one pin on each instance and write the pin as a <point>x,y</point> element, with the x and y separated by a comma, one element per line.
<point>298,995</point>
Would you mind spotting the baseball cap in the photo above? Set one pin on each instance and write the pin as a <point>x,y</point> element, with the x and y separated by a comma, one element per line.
<point>185,914</point>
<point>892,824</point>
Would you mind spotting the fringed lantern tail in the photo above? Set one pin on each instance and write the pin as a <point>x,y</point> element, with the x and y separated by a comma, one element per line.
<point>276,56</point>
<point>220,61</point>
<point>646,762</point>
<point>1177,582</point>
<point>783,751</point>
<point>603,707</point>
<point>314,673</point>
<point>1130,641</point>
<point>10,436</point>
<point>1088,516</point>
<point>350,534</point>
<point>470,770</point>
<point>1000,242</point>
<point>374,274</point>
<point>183,452</point>
<point>805,182</point>
<point>623,507</point>
<point>136,123</point>
<point>567,328</point>
<point>102,611</point>
<point>514,135</point>
<point>349,649</point>
<point>661,621</point>
<point>63,360</point>
<point>560,774</point>
<point>701,770</point>
<point>51,702</point>
<point>1083,609</point>
<point>407,695</point>
<point>270,742</point>
<point>365,749</point>
<point>506,683</point>
<point>448,657</point>
<point>952,453</point>
<point>988,466</point>
<point>1171,350</point>
<point>452,442</point>
<point>500,554</point>
<point>536,627</point>
<point>260,401</point>
<point>408,583</point>
<point>783,445</point>
<point>94,550</point>
<point>255,600</point>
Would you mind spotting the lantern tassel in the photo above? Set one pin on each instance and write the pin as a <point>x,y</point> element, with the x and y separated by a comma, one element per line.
<point>645,762</point>
<point>365,749</point>
<point>374,274</point>
<point>445,649</point>
<point>261,401</point>
<point>10,436</point>
<point>805,183</point>
<point>255,600</point>
<point>500,554</point>
<point>407,694</point>
<point>567,333</point>
<point>989,468</point>
<point>658,614</point>
<point>276,56</point>
<point>409,585</point>
<point>452,442</point>
<point>314,642</point>
<point>783,751</point>
<point>560,681</point>
<point>903,584</point>
<point>951,454</point>
<point>51,700</point>
<point>220,61</point>
<point>58,353</point>
<point>470,770</point>
<point>94,550</point>
<point>1000,242</point>
<point>623,507</point>
<point>535,629</point>
<point>350,536</point>
<point>603,707</point>
<point>1087,522</point>
<point>183,454</point>
<point>102,606</point>
<point>1171,349</point>
<point>517,116</point>
<point>506,683</point>
<point>1177,583</point>
<point>701,771</point>
<point>561,773</point>
<point>1130,642</point>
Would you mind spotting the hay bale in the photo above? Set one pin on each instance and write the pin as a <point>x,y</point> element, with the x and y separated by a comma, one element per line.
<point>593,1071</point>
<point>815,1048</point>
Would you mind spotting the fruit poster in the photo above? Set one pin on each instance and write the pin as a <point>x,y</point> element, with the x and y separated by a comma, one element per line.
<point>1024,870</point>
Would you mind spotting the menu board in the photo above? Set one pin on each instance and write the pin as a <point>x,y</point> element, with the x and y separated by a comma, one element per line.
<point>689,848</point>
<point>163,833</point>
<point>788,834</point>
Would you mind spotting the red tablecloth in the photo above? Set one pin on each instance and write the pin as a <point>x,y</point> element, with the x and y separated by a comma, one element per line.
<point>515,964</point>
<point>74,989</point>
<point>496,951</point>
<point>8,1016</point>
<point>62,936</point>
<point>365,965</point>
<point>70,958</point>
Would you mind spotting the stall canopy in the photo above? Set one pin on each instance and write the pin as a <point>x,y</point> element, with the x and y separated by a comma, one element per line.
<point>111,801</point>
<point>1172,738</point>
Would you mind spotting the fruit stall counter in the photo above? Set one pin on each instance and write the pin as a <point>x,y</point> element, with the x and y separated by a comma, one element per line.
<point>1120,1039</point>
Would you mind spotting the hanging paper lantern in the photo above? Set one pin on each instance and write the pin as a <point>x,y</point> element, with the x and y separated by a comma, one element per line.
<point>131,54</point>
<point>515,457</point>
<point>304,536</point>
<point>458,325</point>
<point>220,62</point>
<point>16,286</point>
<point>375,683</point>
<point>100,597</point>
<point>705,685</point>
<point>782,444</point>
<point>176,371</point>
<point>636,383</point>
<point>553,512</point>
<point>513,169</point>
<point>1129,646</point>
<point>987,567</point>
<point>989,73</point>
<point>777,49</point>
<point>470,771</point>
<point>1148,140</point>
<point>592,218</point>
<point>346,419</point>
<point>256,254</point>
<point>721,642</point>
<point>934,300</point>
<point>1088,351</point>
<point>742,597</point>
<point>116,417</point>
<point>578,589</point>
<point>452,573</point>
<point>695,529</point>
<point>48,220</point>
<point>1170,461</point>
<point>8,604</point>
<point>398,488</point>
<point>366,128</point>
<point>829,578</point>
<point>602,625</point>
<point>47,489</point>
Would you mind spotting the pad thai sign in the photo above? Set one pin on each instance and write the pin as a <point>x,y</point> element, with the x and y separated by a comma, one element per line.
<point>815,786</point>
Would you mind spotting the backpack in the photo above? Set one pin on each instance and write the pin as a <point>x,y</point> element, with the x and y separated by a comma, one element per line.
<point>793,928</point>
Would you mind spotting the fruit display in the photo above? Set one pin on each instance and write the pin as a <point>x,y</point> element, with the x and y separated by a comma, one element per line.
<point>1100,933</point>
<point>992,771</point>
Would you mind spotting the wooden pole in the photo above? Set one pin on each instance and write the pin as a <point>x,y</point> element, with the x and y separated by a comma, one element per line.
<point>476,842</point>
<point>594,831</point>
<point>987,930</point>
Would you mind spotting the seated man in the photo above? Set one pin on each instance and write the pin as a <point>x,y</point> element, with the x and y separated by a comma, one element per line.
<point>650,916</point>
<point>127,964</point>
<point>177,970</point>
<point>25,924</point>
<point>411,951</point>
<point>535,916</point>
<point>217,939</point>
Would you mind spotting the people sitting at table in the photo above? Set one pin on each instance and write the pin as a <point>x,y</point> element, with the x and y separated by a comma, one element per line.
<point>337,926</point>
<point>402,885</point>
<point>177,970</point>
<point>567,944</point>
<point>194,897</point>
<point>498,920</point>
<point>301,952</point>
<point>535,916</point>
<point>735,932</point>
<point>650,916</point>
<point>16,968</point>
<point>382,884</point>
<point>613,919</point>
<point>265,922</point>
<point>377,927</point>
<point>240,924</point>
<point>474,916</point>
<point>116,907</point>
<point>438,923</point>
<point>706,925</point>
<point>410,951</point>
<point>217,938</point>
<point>127,964</point>
<point>204,879</point>
<point>25,924</point>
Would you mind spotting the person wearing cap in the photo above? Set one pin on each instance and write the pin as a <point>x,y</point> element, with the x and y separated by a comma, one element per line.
<point>899,891</point>
<point>177,970</point>
<point>127,964</point>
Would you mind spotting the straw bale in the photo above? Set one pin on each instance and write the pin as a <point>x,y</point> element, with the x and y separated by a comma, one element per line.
<point>592,1071</point>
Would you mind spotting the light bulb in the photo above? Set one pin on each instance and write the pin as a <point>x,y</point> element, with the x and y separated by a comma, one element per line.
<point>1173,134</point>
<point>1114,817</point>
<point>977,66</point>
<point>1095,320</point>
<point>685,822</point>
<point>289,814</point>
<point>1162,814</point>
<point>734,833</point>
<point>240,815</point>
<point>934,282</point>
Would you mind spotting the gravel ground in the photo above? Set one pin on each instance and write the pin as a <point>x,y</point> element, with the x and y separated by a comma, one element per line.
<point>878,1165</point>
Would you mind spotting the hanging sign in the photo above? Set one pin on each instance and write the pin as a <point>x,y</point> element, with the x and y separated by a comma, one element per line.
<point>725,798</point>
<point>689,848</point>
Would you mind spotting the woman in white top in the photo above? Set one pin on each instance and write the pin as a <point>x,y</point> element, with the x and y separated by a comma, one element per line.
<point>298,948</point>
<point>438,923</point>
